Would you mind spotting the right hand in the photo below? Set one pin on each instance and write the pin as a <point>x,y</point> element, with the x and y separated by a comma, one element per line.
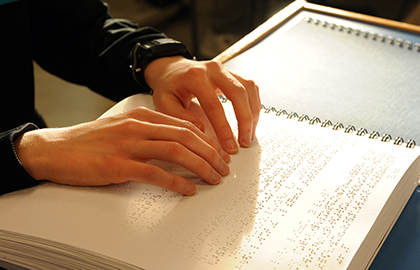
<point>115,149</point>
<point>176,81</point>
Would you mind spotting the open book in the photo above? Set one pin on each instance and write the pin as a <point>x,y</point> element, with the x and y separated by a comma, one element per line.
<point>305,195</point>
<point>349,71</point>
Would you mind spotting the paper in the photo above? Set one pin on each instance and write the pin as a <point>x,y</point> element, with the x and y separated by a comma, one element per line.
<point>302,197</point>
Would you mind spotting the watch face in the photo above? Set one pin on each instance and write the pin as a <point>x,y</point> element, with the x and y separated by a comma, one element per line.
<point>151,44</point>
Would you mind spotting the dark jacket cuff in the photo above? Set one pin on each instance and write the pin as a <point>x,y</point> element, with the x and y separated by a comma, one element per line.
<point>12,174</point>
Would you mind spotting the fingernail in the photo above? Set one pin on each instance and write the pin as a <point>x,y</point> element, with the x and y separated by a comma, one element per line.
<point>246,139</point>
<point>225,169</point>
<point>216,178</point>
<point>190,189</point>
<point>225,156</point>
<point>231,146</point>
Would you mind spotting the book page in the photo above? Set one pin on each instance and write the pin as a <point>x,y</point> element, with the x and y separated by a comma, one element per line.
<point>334,72</point>
<point>301,197</point>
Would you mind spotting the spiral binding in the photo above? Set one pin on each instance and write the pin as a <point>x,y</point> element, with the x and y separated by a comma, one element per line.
<point>327,123</point>
<point>366,34</point>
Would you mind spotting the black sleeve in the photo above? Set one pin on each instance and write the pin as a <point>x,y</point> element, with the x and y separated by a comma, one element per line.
<point>80,42</point>
<point>14,176</point>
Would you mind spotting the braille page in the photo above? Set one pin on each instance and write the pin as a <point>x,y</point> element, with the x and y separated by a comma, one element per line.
<point>339,73</point>
<point>301,197</point>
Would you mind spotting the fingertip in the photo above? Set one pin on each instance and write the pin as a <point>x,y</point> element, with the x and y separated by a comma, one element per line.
<point>246,140</point>
<point>225,156</point>
<point>216,178</point>
<point>225,169</point>
<point>230,146</point>
<point>190,189</point>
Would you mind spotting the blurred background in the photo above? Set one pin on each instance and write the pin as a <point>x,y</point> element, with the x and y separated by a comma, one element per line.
<point>207,27</point>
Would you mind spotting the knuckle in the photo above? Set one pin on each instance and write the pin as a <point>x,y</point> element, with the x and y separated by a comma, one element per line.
<point>213,104</point>
<point>138,111</point>
<point>239,90</point>
<point>186,134</point>
<point>149,172</point>
<point>188,126</point>
<point>129,125</point>
<point>173,183</point>
<point>214,64</point>
<point>175,149</point>
<point>250,83</point>
<point>196,72</point>
<point>132,128</point>
<point>245,86</point>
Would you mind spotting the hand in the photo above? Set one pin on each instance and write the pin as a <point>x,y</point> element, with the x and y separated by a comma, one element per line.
<point>176,80</point>
<point>115,150</point>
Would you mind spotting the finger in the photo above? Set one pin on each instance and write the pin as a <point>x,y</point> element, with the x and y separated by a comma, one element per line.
<point>147,115</point>
<point>150,174</point>
<point>153,117</point>
<point>236,92</point>
<point>177,141</point>
<point>215,113</point>
<point>172,105</point>
<point>253,97</point>
<point>196,109</point>
<point>176,153</point>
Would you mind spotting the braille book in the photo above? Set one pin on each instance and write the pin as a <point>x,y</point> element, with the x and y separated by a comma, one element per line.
<point>349,68</point>
<point>308,194</point>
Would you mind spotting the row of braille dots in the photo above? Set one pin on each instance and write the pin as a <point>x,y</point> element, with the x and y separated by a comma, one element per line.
<point>390,39</point>
<point>338,126</point>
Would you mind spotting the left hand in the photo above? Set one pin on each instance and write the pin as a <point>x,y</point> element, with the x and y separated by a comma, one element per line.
<point>176,81</point>
<point>116,149</point>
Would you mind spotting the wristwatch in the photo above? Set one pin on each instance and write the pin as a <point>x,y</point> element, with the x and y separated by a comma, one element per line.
<point>145,53</point>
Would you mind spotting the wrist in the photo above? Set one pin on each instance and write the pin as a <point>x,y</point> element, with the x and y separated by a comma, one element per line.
<point>145,53</point>
<point>154,71</point>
